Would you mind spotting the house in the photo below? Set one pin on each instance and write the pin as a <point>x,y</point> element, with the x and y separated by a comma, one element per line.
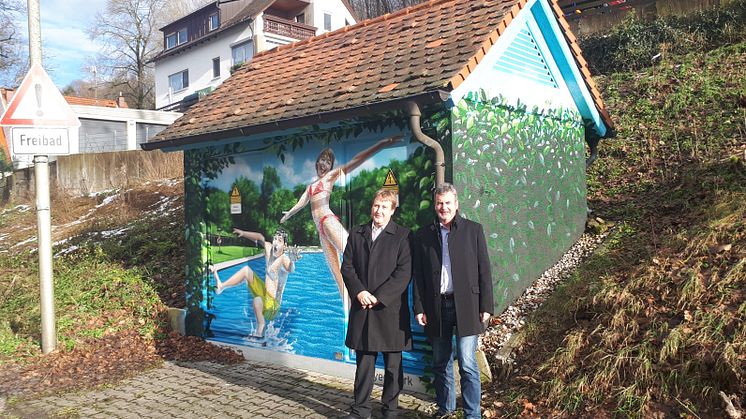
<point>491,95</point>
<point>106,125</point>
<point>201,49</point>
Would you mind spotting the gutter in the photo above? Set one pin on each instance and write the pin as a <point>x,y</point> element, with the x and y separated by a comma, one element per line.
<point>435,96</point>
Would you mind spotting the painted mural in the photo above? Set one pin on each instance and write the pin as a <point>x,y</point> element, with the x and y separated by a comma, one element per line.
<point>271,230</point>
<point>521,173</point>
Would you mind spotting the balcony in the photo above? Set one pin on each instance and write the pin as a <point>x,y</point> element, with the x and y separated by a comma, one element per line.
<point>279,26</point>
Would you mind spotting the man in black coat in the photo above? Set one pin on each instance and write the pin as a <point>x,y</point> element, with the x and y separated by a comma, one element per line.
<point>377,268</point>
<point>453,293</point>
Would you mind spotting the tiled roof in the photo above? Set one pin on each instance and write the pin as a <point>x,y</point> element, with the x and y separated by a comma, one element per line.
<point>106,103</point>
<point>426,48</point>
<point>71,100</point>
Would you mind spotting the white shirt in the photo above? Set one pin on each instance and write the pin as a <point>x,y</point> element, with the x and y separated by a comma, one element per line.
<point>375,231</point>
<point>446,278</point>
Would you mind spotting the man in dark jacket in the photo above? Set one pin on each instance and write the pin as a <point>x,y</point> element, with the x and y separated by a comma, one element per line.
<point>377,268</point>
<point>453,290</point>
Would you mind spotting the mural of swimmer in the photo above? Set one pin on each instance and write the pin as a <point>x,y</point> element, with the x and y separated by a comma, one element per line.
<point>332,234</point>
<point>267,293</point>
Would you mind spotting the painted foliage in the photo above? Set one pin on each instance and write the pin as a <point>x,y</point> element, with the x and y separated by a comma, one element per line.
<point>521,173</point>
<point>266,227</point>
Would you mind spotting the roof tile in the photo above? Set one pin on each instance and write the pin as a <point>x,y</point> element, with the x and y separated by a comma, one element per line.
<point>428,47</point>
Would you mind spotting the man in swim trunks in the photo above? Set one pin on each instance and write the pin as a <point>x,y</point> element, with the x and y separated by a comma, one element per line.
<point>267,294</point>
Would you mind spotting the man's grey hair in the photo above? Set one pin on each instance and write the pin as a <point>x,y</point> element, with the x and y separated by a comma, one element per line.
<point>445,188</point>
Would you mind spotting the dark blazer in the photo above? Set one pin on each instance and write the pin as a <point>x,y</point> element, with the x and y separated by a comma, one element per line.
<point>383,268</point>
<point>470,267</point>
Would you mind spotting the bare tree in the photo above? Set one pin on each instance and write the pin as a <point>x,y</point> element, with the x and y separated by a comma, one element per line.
<point>127,29</point>
<point>129,32</point>
<point>12,58</point>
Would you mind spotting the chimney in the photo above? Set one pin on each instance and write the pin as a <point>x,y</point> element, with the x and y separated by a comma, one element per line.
<point>121,103</point>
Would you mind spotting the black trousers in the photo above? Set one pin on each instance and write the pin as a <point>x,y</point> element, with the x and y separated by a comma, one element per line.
<point>393,381</point>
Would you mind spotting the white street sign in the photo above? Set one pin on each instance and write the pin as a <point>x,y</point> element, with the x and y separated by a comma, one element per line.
<point>40,141</point>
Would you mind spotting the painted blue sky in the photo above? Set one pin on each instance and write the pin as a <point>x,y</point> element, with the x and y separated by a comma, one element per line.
<point>299,168</point>
<point>67,50</point>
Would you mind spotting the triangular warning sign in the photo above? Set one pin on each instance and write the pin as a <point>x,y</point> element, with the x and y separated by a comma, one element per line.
<point>390,182</point>
<point>38,102</point>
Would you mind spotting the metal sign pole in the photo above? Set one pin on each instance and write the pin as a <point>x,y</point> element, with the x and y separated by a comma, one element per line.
<point>43,216</point>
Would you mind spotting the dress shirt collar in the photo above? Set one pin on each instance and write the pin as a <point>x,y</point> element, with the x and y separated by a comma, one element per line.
<point>375,231</point>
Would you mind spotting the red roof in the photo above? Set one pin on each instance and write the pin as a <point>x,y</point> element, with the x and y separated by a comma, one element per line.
<point>74,100</point>
<point>427,48</point>
<point>85,101</point>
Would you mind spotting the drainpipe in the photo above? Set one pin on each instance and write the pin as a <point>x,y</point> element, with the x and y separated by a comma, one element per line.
<point>414,124</point>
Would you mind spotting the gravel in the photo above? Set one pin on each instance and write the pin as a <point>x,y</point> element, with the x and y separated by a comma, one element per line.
<point>514,317</point>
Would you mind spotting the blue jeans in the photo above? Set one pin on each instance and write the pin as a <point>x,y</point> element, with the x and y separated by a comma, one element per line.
<point>466,348</point>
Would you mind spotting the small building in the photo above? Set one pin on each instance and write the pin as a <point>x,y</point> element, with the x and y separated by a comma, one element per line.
<point>106,125</point>
<point>202,48</point>
<point>491,95</point>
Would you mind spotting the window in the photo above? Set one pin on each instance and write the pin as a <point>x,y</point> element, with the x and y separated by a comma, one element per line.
<point>170,41</point>
<point>214,22</point>
<point>242,52</point>
<point>177,38</point>
<point>216,67</point>
<point>178,81</point>
<point>301,18</point>
<point>327,22</point>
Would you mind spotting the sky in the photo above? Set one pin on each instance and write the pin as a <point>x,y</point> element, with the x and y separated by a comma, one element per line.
<point>66,47</point>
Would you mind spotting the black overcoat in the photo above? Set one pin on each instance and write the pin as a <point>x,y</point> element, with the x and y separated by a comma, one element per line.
<point>470,268</point>
<point>383,268</point>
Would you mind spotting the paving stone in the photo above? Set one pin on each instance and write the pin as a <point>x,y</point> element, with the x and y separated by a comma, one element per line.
<point>206,390</point>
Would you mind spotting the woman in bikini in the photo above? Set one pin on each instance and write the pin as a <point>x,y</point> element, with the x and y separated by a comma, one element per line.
<point>332,234</point>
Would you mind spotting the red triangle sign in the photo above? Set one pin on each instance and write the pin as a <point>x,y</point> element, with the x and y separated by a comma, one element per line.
<point>38,102</point>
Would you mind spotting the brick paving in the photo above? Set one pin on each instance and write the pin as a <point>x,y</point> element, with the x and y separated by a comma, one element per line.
<point>209,390</point>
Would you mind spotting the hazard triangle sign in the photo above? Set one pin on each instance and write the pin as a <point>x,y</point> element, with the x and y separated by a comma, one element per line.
<point>39,103</point>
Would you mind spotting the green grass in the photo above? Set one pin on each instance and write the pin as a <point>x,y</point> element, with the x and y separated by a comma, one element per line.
<point>93,297</point>
<point>654,322</point>
<point>225,253</point>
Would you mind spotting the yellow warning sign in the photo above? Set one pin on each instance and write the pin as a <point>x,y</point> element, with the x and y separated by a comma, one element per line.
<point>390,182</point>
<point>235,201</point>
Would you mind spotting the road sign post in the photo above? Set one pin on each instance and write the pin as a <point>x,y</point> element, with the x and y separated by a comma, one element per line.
<point>40,119</point>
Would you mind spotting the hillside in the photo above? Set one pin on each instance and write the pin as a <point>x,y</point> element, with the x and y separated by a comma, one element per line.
<point>651,325</point>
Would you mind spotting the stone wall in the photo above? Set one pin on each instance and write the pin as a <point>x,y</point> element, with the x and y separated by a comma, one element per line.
<point>599,21</point>
<point>82,174</point>
<point>87,173</point>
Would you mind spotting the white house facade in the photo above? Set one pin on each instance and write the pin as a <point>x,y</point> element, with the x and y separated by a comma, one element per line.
<point>200,49</point>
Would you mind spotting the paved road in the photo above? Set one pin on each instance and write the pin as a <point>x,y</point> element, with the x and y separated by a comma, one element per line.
<point>208,390</point>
